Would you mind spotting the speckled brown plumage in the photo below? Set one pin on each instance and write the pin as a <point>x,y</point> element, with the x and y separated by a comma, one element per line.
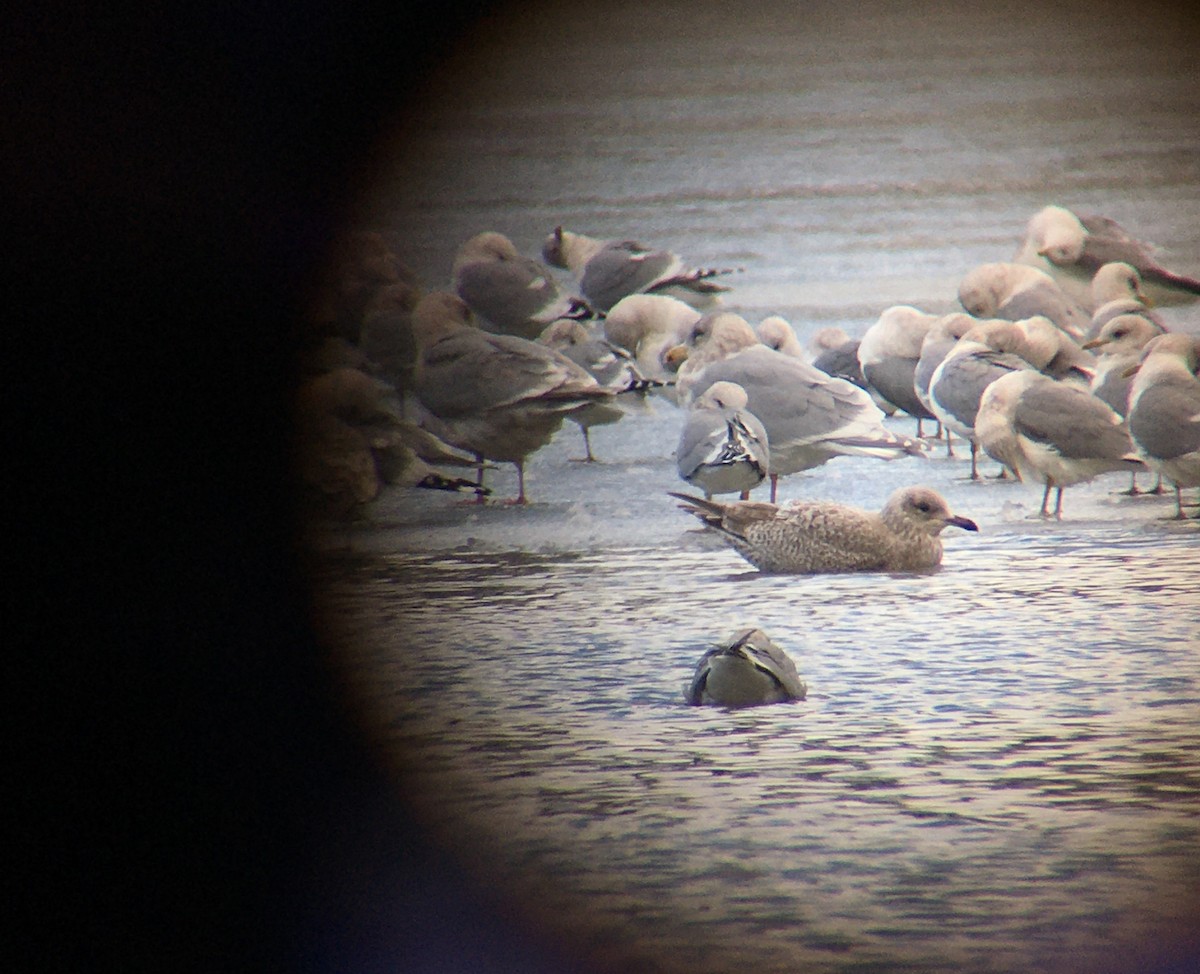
<point>818,537</point>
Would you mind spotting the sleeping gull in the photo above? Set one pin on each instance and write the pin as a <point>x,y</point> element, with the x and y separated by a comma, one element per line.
<point>1117,290</point>
<point>612,367</point>
<point>723,448</point>
<point>713,338</point>
<point>646,326</point>
<point>515,295</point>
<point>498,396</point>
<point>888,354</point>
<point>745,670</point>
<point>820,537</point>
<point>1014,291</point>
<point>938,341</point>
<point>824,340</point>
<point>810,417</point>
<point>1164,410</point>
<point>1052,432</point>
<point>777,332</point>
<point>609,270</point>
<point>1071,248</point>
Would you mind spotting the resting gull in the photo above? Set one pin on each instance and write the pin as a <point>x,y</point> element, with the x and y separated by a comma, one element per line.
<point>1071,248</point>
<point>647,326</point>
<point>745,670</point>
<point>1052,432</point>
<point>820,537</point>
<point>777,332</point>
<point>498,396</point>
<point>1014,291</point>
<point>810,417</point>
<point>514,295</point>
<point>1118,348</point>
<point>723,448</point>
<point>888,354</point>
<point>1117,290</point>
<point>612,367</point>
<point>1164,410</point>
<point>609,270</point>
<point>713,338</point>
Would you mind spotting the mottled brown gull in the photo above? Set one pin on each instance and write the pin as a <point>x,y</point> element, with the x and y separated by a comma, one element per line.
<point>820,537</point>
<point>1164,410</point>
<point>745,670</point>
<point>609,270</point>
<point>513,294</point>
<point>723,448</point>
<point>1051,432</point>
<point>498,396</point>
<point>1071,248</point>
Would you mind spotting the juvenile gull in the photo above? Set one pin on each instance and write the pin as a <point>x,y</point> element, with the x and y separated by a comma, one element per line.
<point>1014,291</point>
<point>723,448</point>
<point>514,295</point>
<point>1071,248</point>
<point>498,396</point>
<point>809,416</point>
<point>820,537</point>
<point>888,354</point>
<point>609,270</point>
<point>745,670</point>
<point>1052,432</point>
<point>1164,410</point>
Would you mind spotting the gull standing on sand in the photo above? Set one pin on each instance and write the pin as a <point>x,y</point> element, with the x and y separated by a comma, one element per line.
<point>820,537</point>
<point>888,354</point>
<point>609,270</point>
<point>723,448</point>
<point>514,295</point>
<point>745,670</point>
<point>1071,248</point>
<point>810,417</point>
<point>498,396</point>
<point>1164,410</point>
<point>1052,432</point>
<point>1015,291</point>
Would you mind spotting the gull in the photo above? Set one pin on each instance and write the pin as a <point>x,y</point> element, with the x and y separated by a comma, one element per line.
<point>888,355</point>
<point>1071,248</point>
<point>723,448</point>
<point>1164,410</point>
<point>1117,290</point>
<point>513,294</point>
<point>713,338</point>
<point>776,332</point>
<point>745,670</point>
<point>1014,291</point>
<point>499,397</point>
<point>646,326</point>
<point>809,416</point>
<point>609,270</point>
<point>821,537</point>
<point>1051,431</point>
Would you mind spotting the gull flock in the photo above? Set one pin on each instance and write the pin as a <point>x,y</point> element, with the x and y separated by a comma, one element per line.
<point>1057,368</point>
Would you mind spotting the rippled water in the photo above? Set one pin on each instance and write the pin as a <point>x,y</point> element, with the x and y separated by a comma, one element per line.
<point>997,767</point>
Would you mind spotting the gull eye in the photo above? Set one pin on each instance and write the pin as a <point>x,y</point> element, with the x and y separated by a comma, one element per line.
<point>923,507</point>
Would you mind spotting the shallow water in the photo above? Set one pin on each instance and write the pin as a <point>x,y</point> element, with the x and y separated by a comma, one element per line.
<point>997,767</point>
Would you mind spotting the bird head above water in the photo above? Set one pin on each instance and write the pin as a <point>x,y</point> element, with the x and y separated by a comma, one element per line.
<point>922,510</point>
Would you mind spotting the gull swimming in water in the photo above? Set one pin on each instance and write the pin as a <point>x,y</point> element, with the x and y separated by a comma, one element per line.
<point>745,670</point>
<point>609,270</point>
<point>723,448</point>
<point>821,537</point>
